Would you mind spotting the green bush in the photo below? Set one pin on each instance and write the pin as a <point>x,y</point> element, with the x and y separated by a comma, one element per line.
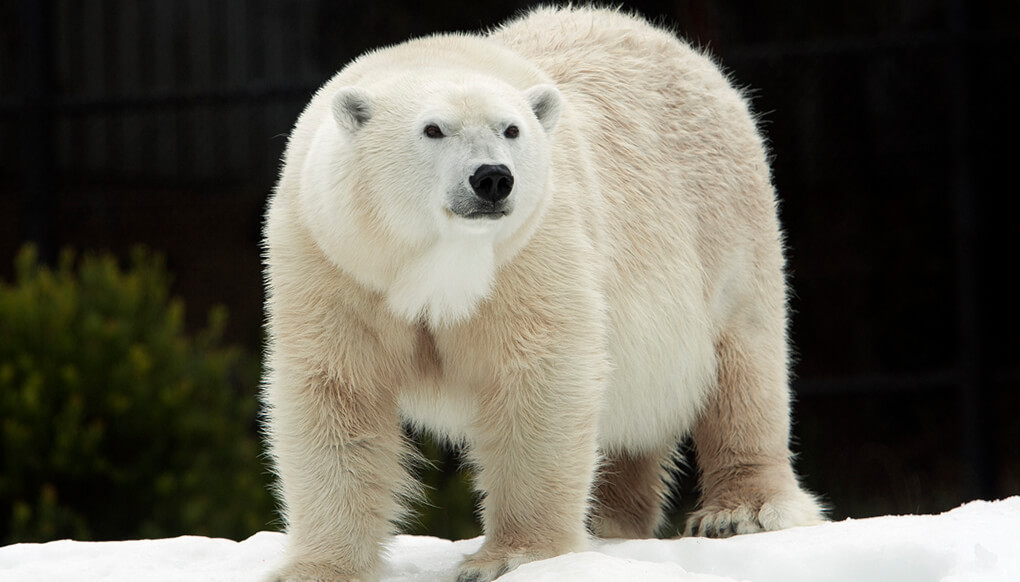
<point>115,422</point>
<point>448,508</point>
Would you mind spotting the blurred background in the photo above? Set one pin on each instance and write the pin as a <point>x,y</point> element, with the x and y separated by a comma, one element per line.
<point>139,140</point>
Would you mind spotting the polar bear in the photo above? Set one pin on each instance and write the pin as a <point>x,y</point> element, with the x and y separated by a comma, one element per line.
<point>556,246</point>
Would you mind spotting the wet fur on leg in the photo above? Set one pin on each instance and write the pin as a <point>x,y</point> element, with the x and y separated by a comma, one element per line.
<point>631,492</point>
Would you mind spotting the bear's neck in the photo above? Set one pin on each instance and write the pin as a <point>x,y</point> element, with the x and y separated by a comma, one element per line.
<point>444,284</point>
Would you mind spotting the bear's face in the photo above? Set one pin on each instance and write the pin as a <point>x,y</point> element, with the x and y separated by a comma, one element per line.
<point>437,173</point>
<point>470,156</point>
<point>485,154</point>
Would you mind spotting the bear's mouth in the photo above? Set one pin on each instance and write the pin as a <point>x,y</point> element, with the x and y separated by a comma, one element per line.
<point>485,214</point>
<point>479,209</point>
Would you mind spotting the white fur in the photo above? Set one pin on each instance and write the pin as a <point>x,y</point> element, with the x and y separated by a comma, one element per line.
<point>443,266</point>
<point>628,292</point>
<point>446,282</point>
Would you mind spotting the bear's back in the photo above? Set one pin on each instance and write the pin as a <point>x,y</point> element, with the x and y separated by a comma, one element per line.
<point>688,210</point>
<point>606,49</point>
<point>664,124</point>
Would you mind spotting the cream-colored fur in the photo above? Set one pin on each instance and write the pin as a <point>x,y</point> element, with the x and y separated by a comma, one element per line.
<point>631,295</point>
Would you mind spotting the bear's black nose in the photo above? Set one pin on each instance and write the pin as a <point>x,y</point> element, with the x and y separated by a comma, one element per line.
<point>492,183</point>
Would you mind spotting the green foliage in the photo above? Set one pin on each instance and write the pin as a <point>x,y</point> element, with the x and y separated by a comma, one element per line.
<point>448,511</point>
<point>114,422</point>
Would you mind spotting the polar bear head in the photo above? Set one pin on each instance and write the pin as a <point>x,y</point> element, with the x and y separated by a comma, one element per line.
<point>468,154</point>
<point>440,172</point>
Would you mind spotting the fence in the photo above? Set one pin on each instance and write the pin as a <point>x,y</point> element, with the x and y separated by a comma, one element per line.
<point>196,94</point>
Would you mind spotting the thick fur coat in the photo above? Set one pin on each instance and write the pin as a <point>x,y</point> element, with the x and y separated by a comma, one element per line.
<point>556,245</point>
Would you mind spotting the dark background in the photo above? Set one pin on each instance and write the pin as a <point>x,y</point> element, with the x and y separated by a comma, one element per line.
<point>892,126</point>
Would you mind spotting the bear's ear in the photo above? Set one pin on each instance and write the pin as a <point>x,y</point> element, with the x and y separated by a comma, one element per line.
<point>546,101</point>
<point>352,108</point>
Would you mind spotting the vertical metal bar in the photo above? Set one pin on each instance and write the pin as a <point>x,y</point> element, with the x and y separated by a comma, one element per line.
<point>38,199</point>
<point>93,86</point>
<point>163,81</point>
<point>237,76</point>
<point>977,441</point>
<point>184,76</point>
<point>112,124</point>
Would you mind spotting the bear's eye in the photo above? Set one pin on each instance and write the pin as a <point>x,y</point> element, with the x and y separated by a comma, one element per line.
<point>511,132</point>
<point>432,131</point>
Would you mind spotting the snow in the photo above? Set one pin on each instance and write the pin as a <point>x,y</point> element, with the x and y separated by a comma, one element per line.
<point>978,542</point>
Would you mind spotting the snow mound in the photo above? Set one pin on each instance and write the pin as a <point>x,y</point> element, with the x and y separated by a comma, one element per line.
<point>978,542</point>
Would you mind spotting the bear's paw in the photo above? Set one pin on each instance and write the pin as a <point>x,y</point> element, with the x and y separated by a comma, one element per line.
<point>721,520</point>
<point>313,572</point>
<point>487,565</point>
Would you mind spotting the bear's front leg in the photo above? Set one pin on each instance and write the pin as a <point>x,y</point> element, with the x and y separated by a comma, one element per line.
<point>338,451</point>
<point>535,448</point>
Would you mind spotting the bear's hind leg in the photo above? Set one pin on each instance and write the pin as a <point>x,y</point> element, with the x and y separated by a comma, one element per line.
<point>630,492</point>
<point>741,438</point>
